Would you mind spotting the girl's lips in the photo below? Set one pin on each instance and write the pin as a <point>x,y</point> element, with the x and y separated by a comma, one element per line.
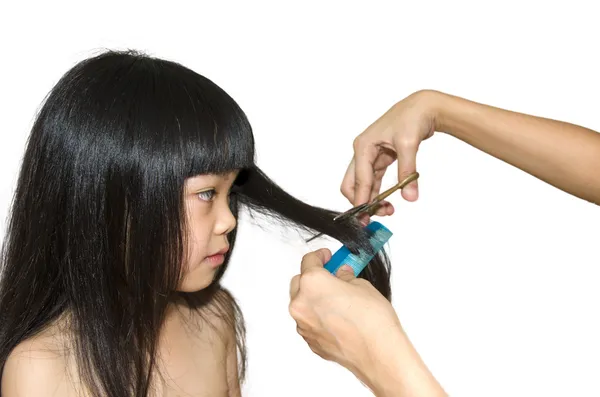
<point>218,258</point>
<point>215,260</point>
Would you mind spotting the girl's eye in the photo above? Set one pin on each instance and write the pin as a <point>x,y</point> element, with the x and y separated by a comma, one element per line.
<point>207,195</point>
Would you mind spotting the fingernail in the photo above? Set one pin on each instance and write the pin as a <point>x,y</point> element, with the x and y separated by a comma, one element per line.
<point>345,268</point>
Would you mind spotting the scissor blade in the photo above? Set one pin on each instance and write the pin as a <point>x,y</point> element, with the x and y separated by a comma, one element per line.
<point>352,211</point>
<point>368,207</point>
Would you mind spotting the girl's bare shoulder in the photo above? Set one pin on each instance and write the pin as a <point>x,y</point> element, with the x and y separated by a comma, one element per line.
<point>40,366</point>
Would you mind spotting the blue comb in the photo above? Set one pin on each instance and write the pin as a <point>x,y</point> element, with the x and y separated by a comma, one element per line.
<point>379,236</point>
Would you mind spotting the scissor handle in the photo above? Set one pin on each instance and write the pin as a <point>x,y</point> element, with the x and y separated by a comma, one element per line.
<point>368,207</point>
<point>401,185</point>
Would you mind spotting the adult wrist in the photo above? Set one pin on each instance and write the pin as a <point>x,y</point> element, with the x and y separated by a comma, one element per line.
<point>382,372</point>
<point>397,370</point>
<point>438,107</point>
<point>450,114</point>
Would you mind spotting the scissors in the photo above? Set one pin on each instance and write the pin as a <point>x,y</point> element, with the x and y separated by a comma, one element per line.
<point>370,206</point>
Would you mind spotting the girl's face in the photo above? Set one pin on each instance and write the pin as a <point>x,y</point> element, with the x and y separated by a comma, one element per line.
<point>209,221</point>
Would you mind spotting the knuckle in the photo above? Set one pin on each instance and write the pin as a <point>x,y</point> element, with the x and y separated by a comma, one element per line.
<point>310,283</point>
<point>294,284</point>
<point>408,142</point>
<point>360,143</point>
<point>345,190</point>
<point>300,310</point>
<point>311,276</point>
<point>295,279</point>
<point>296,309</point>
<point>308,257</point>
<point>357,143</point>
<point>314,349</point>
<point>360,183</point>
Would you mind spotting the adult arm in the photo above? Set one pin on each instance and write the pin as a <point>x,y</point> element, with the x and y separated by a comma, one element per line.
<point>562,154</point>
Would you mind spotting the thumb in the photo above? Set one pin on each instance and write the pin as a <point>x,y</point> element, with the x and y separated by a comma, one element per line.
<point>407,164</point>
<point>315,259</point>
<point>345,273</point>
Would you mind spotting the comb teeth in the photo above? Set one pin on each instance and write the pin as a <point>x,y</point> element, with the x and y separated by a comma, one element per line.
<point>379,237</point>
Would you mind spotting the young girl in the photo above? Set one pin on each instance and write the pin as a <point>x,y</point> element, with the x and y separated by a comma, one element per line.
<point>122,225</point>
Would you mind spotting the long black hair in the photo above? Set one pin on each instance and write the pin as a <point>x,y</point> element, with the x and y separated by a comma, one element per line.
<point>97,220</point>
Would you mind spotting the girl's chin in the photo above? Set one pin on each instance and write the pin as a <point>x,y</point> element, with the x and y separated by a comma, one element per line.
<point>199,279</point>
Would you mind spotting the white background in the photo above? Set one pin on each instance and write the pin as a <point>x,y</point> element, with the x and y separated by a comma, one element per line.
<point>495,273</point>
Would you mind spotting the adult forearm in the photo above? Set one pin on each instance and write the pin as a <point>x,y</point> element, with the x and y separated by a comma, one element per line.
<point>397,370</point>
<point>564,155</point>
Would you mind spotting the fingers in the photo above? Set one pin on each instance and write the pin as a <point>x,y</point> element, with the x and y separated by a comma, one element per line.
<point>407,164</point>
<point>294,286</point>
<point>366,169</point>
<point>302,332</point>
<point>376,183</point>
<point>315,259</point>
<point>345,273</point>
<point>364,219</point>
<point>347,188</point>
<point>385,209</point>
<point>365,154</point>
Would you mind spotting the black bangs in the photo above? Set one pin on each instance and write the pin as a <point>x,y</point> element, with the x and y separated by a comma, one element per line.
<point>160,118</point>
<point>208,130</point>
